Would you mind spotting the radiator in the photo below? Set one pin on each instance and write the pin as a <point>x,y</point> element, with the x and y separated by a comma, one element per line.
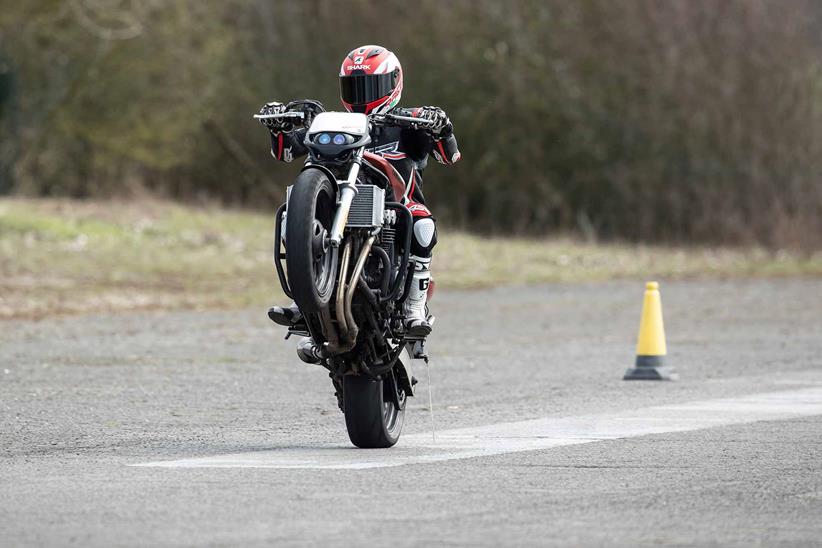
<point>367,207</point>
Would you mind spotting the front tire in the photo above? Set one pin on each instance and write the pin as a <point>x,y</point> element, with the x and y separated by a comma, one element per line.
<point>371,417</point>
<point>311,261</point>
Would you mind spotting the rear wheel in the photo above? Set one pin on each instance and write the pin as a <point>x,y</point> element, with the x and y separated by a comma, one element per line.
<point>311,260</point>
<point>372,417</point>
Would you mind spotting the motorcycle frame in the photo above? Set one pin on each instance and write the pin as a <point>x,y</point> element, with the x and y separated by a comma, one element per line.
<point>398,288</point>
<point>359,242</point>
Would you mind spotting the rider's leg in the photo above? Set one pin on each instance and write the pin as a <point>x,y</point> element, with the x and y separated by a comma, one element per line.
<point>416,311</point>
<point>422,245</point>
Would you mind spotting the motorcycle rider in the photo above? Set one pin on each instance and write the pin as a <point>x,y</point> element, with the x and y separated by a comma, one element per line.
<point>371,82</point>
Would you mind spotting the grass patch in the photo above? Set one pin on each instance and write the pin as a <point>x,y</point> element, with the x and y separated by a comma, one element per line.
<point>62,256</point>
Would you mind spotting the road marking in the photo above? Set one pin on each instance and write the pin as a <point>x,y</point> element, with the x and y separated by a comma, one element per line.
<point>529,435</point>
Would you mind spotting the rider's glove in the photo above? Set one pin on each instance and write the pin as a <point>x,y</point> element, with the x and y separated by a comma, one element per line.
<point>274,125</point>
<point>441,126</point>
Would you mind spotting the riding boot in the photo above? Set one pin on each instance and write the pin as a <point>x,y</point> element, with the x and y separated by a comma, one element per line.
<point>286,316</point>
<point>416,311</point>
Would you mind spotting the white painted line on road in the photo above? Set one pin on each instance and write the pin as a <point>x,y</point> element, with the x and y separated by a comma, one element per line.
<point>529,435</point>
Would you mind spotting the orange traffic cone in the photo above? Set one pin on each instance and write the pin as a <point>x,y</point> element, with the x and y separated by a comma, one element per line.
<point>650,347</point>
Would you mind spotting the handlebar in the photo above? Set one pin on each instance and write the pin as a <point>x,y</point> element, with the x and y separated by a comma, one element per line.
<point>379,119</point>
<point>281,116</point>
<point>398,120</point>
<point>302,110</point>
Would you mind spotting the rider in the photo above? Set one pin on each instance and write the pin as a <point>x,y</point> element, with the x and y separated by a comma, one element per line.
<point>371,83</point>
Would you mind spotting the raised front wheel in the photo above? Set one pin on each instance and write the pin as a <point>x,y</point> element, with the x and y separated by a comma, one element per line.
<point>311,261</point>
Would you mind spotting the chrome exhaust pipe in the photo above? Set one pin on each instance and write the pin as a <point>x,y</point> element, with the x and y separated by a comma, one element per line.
<point>340,308</point>
<point>332,348</point>
<point>353,329</point>
<point>345,296</point>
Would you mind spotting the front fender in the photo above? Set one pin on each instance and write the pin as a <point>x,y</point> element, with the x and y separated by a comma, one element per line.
<point>325,170</point>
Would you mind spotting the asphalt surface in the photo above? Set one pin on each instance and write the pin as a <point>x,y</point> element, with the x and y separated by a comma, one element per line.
<point>84,398</point>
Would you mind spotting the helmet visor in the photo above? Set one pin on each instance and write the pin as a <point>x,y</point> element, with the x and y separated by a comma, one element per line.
<point>361,89</point>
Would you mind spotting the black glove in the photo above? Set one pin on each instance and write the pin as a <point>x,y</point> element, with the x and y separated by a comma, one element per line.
<point>273,124</point>
<point>441,125</point>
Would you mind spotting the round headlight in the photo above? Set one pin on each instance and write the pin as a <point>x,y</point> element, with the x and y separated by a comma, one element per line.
<point>339,139</point>
<point>324,138</point>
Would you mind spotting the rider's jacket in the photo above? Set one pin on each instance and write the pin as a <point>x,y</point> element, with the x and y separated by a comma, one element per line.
<point>406,149</point>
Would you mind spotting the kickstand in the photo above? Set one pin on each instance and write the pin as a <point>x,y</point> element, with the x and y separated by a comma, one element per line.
<point>430,401</point>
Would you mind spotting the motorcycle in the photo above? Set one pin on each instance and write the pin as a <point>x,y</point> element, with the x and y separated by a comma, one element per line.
<point>342,253</point>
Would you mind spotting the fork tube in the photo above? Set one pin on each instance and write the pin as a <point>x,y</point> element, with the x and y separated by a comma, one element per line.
<point>347,193</point>
<point>348,189</point>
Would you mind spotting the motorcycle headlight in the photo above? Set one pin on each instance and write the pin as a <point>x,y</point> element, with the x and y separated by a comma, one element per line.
<point>324,138</point>
<point>339,139</point>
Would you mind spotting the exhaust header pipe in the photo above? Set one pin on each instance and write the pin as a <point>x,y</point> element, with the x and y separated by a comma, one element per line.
<point>345,296</point>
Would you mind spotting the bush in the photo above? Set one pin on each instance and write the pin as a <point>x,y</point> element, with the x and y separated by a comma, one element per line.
<point>641,120</point>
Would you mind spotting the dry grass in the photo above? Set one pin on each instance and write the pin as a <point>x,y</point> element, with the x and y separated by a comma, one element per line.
<point>60,256</point>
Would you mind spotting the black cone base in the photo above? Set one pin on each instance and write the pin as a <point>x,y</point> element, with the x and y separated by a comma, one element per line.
<point>650,368</point>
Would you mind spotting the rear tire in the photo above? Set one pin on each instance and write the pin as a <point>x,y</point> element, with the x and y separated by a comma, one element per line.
<point>311,261</point>
<point>372,422</point>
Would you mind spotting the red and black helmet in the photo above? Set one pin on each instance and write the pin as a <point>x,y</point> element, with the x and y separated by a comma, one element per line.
<point>370,80</point>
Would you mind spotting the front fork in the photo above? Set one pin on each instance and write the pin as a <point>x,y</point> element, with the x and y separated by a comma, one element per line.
<point>348,190</point>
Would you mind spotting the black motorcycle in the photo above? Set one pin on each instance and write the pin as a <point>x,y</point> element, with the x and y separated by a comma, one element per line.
<point>342,252</point>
